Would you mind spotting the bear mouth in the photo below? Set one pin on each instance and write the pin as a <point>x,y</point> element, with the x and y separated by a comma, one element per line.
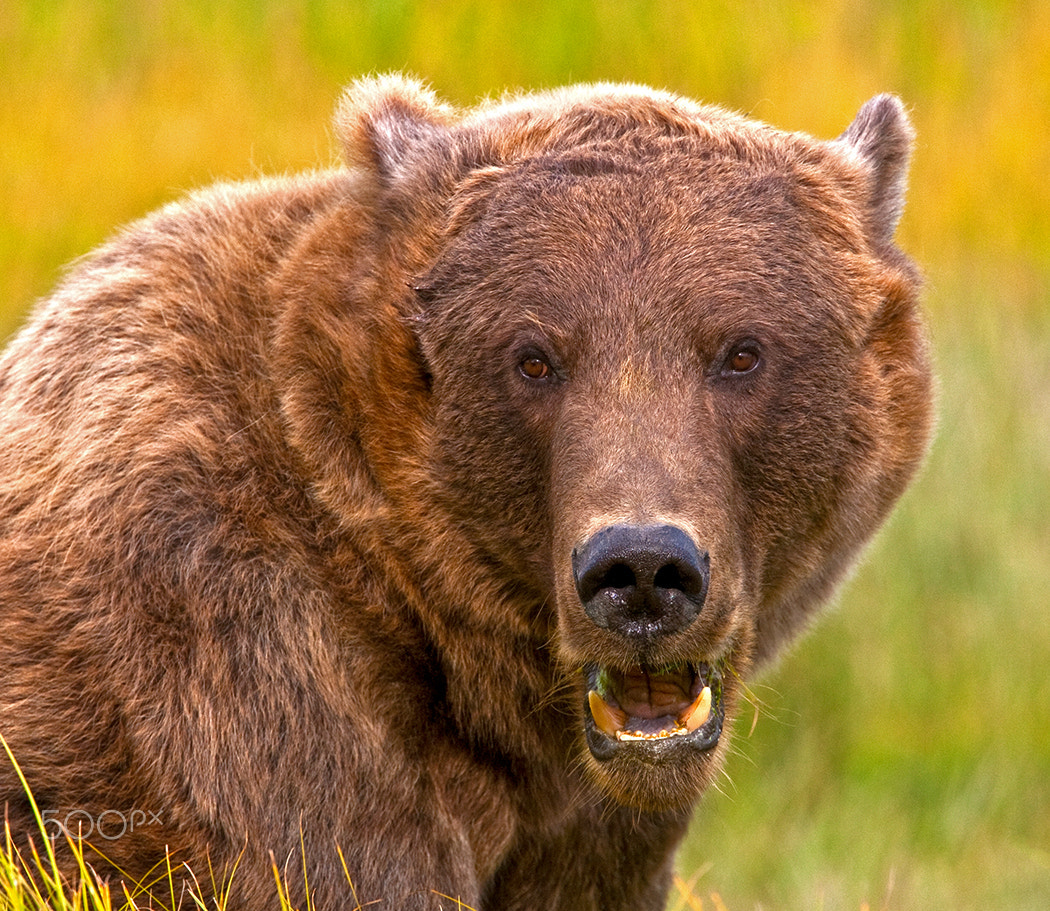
<point>649,711</point>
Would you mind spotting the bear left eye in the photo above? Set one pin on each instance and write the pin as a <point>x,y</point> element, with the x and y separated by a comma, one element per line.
<point>534,368</point>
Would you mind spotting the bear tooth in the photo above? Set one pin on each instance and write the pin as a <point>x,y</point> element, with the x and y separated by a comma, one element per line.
<point>698,713</point>
<point>608,719</point>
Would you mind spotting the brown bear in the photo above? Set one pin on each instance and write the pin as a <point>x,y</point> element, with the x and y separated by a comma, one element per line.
<point>414,526</point>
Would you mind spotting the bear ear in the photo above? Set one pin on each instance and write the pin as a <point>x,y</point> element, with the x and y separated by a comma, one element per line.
<point>386,124</point>
<point>882,135</point>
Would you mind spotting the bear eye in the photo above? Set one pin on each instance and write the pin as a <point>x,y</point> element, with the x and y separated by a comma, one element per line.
<point>534,368</point>
<point>742,359</point>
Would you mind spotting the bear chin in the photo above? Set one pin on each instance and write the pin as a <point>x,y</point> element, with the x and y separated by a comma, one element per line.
<point>659,751</point>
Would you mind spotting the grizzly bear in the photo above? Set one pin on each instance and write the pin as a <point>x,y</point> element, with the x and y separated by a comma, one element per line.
<point>414,526</point>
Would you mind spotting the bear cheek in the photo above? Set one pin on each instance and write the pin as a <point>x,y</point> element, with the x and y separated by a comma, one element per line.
<point>493,471</point>
<point>793,478</point>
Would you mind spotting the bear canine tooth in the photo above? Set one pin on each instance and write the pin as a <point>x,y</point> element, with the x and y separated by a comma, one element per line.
<point>698,713</point>
<point>608,719</point>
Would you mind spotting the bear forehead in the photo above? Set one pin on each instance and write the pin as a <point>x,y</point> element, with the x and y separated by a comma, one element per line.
<point>676,194</point>
<point>643,173</point>
<point>666,224</point>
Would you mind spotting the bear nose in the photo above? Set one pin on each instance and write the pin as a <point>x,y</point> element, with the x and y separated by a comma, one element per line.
<point>642,581</point>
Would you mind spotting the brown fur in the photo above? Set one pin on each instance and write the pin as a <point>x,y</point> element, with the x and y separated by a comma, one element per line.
<point>285,533</point>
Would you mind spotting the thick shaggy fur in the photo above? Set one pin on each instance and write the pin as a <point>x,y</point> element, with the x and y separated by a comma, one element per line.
<point>285,529</point>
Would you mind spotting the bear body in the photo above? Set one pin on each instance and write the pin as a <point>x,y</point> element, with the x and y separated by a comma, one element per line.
<point>435,508</point>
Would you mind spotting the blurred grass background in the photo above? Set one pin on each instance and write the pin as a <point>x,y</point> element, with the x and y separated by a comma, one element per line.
<point>901,759</point>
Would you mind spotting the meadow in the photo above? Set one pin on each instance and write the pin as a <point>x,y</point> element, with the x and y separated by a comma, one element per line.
<point>900,755</point>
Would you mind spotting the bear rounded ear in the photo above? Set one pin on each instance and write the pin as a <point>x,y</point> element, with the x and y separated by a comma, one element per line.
<point>387,122</point>
<point>882,135</point>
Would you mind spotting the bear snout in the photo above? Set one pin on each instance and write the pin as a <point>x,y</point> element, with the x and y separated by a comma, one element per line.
<point>641,581</point>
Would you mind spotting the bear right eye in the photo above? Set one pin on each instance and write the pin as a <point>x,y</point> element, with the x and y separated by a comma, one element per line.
<point>742,359</point>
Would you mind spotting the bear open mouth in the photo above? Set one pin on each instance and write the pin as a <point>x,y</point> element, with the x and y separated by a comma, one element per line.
<point>653,707</point>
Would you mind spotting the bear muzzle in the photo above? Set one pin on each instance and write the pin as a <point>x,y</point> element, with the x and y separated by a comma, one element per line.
<point>644,583</point>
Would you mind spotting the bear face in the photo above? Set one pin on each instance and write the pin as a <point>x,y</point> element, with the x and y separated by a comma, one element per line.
<point>654,373</point>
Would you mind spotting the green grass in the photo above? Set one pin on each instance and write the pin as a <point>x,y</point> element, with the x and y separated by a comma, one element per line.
<point>901,758</point>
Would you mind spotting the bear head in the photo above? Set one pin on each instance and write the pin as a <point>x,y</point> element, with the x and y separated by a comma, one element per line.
<point>655,368</point>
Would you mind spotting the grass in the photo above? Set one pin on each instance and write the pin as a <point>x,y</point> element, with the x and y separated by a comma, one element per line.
<point>33,881</point>
<point>901,757</point>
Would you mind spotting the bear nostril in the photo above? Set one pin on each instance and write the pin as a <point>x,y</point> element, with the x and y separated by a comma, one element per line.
<point>618,576</point>
<point>668,577</point>
<point>643,581</point>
